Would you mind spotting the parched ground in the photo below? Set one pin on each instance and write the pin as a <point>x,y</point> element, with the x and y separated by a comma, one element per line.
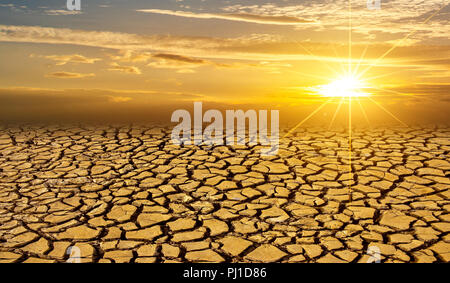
<point>126,194</point>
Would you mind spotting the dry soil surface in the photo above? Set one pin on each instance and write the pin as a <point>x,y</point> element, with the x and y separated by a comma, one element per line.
<point>127,194</point>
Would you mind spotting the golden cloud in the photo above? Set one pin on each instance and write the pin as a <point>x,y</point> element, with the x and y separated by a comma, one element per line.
<point>167,49</point>
<point>240,17</point>
<point>125,69</point>
<point>69,75</point>
<point>74,58</point>
<point>120,99</point>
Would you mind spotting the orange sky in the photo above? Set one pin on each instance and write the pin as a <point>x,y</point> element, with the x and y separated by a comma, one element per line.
<point>145,58</point>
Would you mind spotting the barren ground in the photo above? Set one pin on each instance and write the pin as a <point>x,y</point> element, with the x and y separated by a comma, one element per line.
<point>126,194</point>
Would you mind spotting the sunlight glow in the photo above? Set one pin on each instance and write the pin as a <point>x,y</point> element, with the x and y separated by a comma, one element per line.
<point>347,86</point>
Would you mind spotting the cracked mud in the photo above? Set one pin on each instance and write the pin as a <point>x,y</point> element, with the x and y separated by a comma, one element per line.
<point>126,194</point>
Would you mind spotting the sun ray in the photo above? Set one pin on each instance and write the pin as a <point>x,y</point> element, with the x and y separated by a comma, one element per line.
<point>307,118</point>
<point>336,113</point>
<point>350,134</point>
<point>381,76</point>
<point>340,59</point>
<point>350,102</point>
<point>355,72</point>
<point>388,112</point>
<point>310,75</point>
<point>350,38</point>
<point>316,57</point>
<point>398,43</point>
<point>402,93</point>
<point>392,91</point>
<point>363,111</point>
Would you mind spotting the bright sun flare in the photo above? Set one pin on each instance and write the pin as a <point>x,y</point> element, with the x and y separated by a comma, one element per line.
<point>344,87</point>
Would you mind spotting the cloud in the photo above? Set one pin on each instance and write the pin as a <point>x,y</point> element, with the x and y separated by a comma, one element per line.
<point>239,17</point>
<point>106,39</point>
<point>179,58</point>
<point>424,90</point>
<point>186,65</point>
<point>186,71</point>
<point>16,7</point>
<point>142,48</point>
<point>142,56</point>
<point>39,10</point>
<point>131,56</point>
<point>61,12</point>
<point>74,58</point>
<point>69,75</point>
<point>120,99</point>
<point>125,69</point>
<point>400,16</point>
<point>183,64</point>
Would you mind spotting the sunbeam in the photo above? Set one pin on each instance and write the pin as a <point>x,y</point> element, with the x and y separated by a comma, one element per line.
<point>388,112</point>
<point>398,43</point>
<point>363,111</point>
<point>307,118</point>
<point>336,113</point>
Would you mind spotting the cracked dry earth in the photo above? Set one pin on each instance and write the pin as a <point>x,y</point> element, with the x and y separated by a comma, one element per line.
<point>126,194</point>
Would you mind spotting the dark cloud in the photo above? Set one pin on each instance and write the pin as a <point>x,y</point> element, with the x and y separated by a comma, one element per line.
<point>179,58</point>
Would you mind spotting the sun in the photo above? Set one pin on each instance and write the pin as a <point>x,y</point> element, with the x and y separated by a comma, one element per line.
<point>347,86</point>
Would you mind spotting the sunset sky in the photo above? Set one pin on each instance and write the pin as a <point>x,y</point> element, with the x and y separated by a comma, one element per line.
<point>145,56</point>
